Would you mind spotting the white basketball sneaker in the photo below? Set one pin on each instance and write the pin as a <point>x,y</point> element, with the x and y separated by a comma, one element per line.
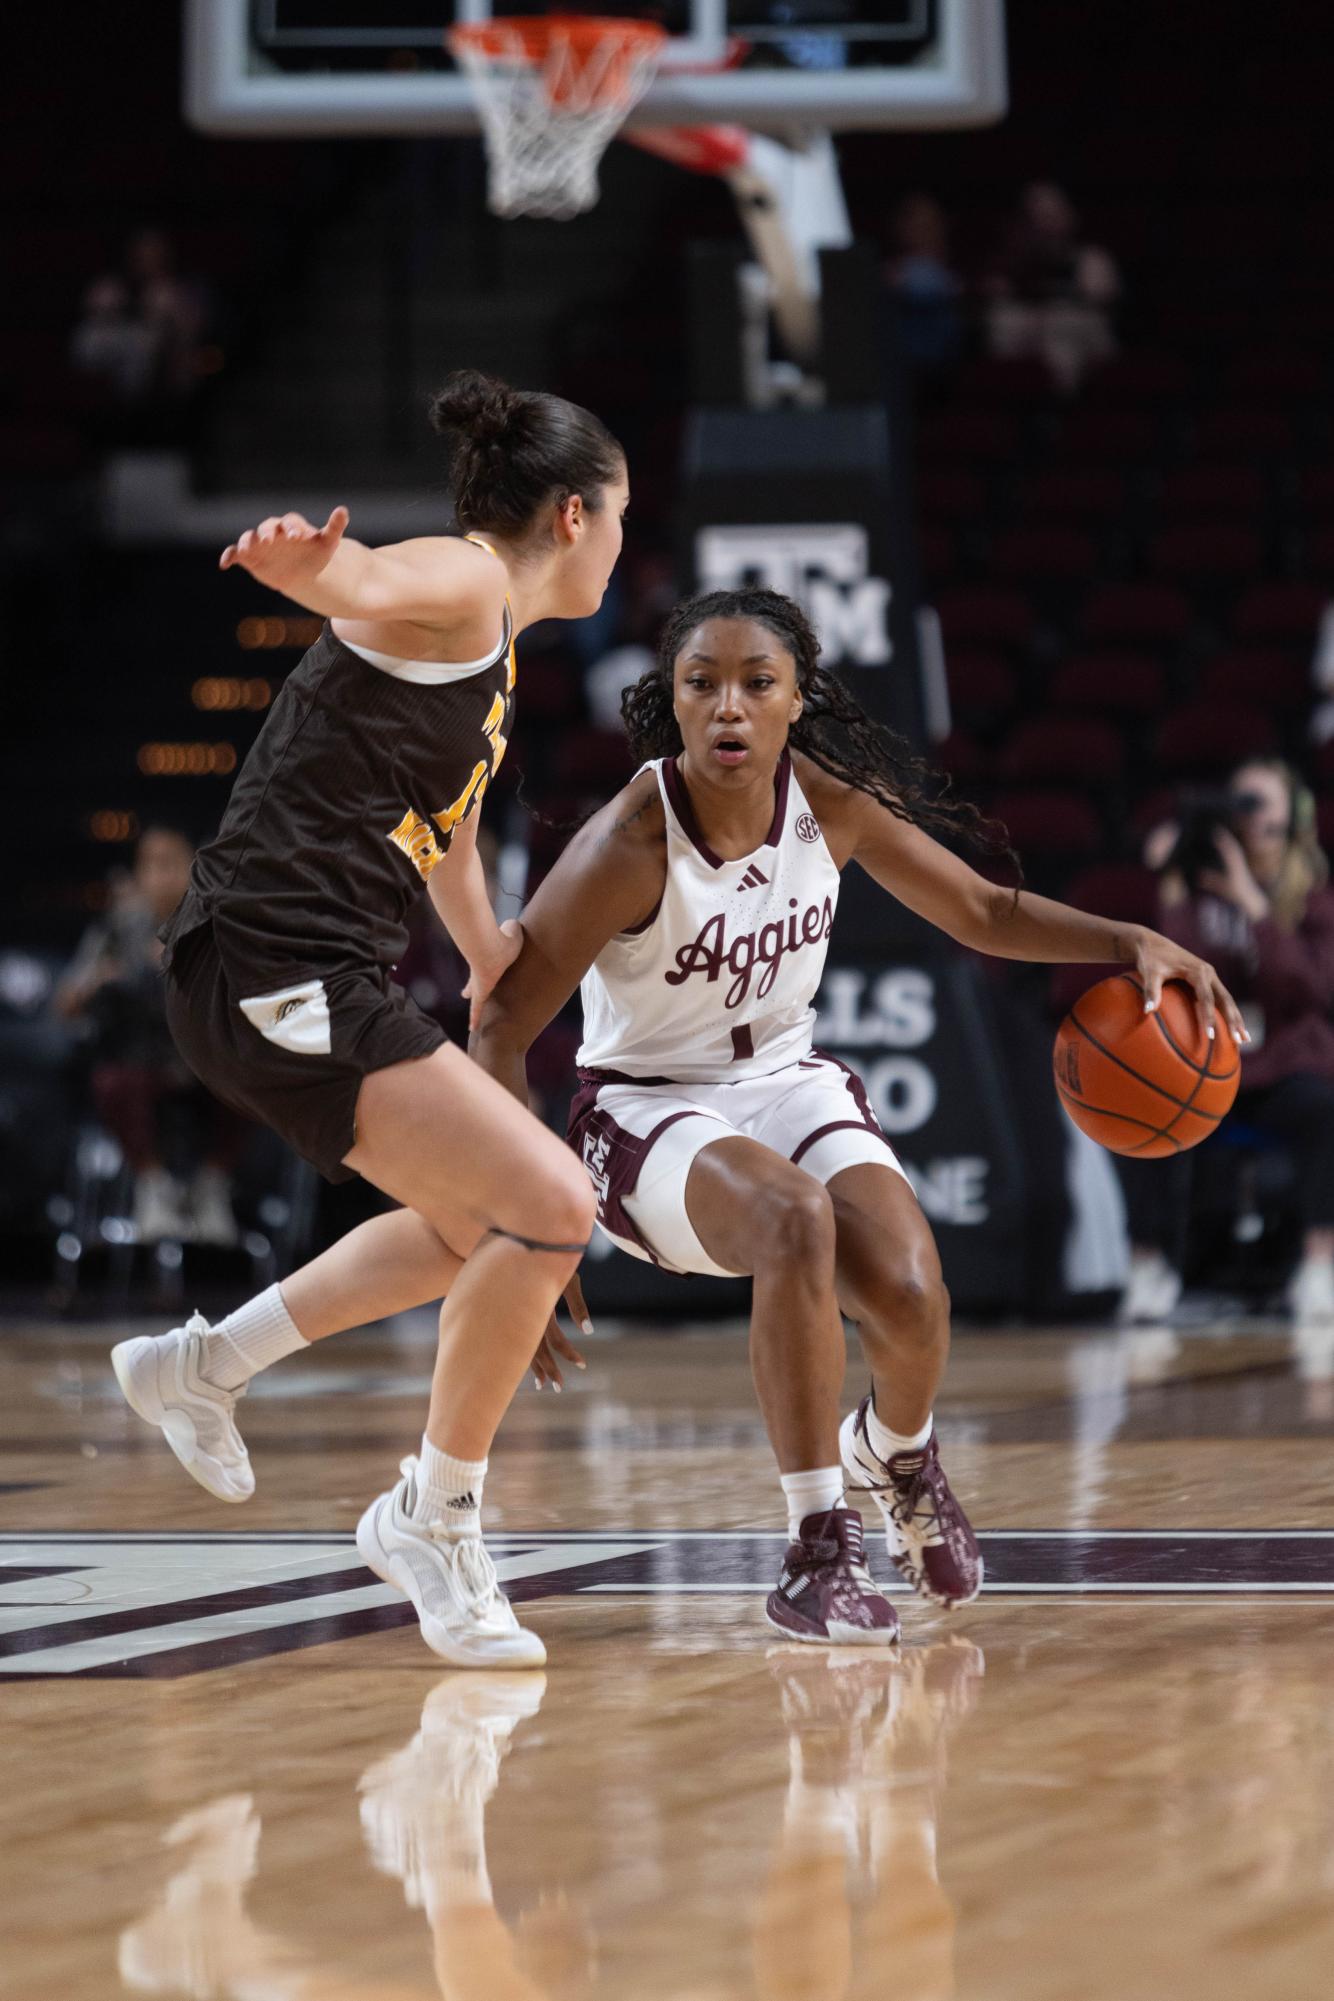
<point>161,1380</point>
<point>450,1579</point>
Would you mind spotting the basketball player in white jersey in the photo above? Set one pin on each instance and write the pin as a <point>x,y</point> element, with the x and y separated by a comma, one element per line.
<point>695,909</point>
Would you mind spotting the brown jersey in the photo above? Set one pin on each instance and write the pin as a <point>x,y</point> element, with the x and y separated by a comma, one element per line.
<point>347,801</point>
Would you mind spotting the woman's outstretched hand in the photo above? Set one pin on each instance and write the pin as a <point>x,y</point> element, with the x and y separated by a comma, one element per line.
<point>285,549</point>
<point>1157,959</point>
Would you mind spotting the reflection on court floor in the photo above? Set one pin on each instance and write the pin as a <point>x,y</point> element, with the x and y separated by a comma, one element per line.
<point>852,1857</point>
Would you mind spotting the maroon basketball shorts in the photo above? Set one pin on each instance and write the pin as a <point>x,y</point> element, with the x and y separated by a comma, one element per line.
<point>638,1141</point>
<point>293,1059</point>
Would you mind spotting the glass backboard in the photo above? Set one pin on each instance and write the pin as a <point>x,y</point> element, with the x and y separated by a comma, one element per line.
<point>370,66</point>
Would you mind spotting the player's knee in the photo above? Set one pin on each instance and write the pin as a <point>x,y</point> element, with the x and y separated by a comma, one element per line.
<point>796,1223</point>
<point>912,1301</point>
<point>568,1206</point>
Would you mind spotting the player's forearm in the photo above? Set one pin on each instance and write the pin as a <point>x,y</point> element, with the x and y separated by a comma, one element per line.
<point>496,1047</point>
<point>354,583</point>
<point>1034,928</point>
<point>459,893</point>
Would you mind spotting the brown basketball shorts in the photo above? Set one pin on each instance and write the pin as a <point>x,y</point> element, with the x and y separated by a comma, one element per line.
<point>293,1059</point>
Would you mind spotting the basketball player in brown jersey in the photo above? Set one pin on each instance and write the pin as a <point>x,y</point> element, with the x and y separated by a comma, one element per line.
<point>695,909</point>
<point>364,789</point>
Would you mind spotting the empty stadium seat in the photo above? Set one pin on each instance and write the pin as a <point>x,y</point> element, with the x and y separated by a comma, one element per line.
<point>961,756</point>
<point>1042,554</point>
<point>1205,551</point>
<point>949,493</point>
<point>1280,611</point>
<point>1123,684</point>
<point>1201,490</point>
<point>1084,493</point>
<point>984,614</point>
<point>982,686</point>
<point>1127,892</point>
<point>1259,675</point>
<point>974,435</point>
<point>1048,823</point>
<point>998,381</point>
<point>1146,614</point>
<point>1208,738</point>
<point>1138,378</point>
<point>1284,376</point>
<point>1071,750</point>
<point>1258,433</point>
<point>1117,435</point>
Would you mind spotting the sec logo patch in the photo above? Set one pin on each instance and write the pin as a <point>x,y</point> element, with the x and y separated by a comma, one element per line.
<point>808,828</point>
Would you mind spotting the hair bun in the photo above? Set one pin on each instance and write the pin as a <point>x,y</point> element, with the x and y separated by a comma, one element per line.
<point>479,407</point>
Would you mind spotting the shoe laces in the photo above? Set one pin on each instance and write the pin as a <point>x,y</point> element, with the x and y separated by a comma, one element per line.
<point>465,1558</point>
<point>821,1551</point>
<point>922,1498</point>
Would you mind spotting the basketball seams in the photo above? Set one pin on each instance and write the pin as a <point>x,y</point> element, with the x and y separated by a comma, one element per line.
<point>1201,1070</point>
<point>1124,1118</point>
<point>1181,1103</point>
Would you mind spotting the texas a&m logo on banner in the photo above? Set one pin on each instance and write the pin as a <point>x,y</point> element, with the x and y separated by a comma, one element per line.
<point>823,565</point>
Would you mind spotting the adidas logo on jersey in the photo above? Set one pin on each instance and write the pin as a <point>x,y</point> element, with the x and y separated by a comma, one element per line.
<point>754,878</point>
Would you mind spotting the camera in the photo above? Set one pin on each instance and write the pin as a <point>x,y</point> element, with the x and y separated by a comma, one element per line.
<point>1201,816</point>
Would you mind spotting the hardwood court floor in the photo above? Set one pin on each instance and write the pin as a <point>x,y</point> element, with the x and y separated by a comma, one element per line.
<point>230,1769</point>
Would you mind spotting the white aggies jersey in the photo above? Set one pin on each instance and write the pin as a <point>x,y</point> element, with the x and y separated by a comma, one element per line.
<point>717,985</point>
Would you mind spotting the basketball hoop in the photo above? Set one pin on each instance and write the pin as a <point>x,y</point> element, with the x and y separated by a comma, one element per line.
<point>551,90</point>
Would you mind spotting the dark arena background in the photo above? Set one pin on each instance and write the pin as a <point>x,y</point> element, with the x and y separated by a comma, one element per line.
<point>1000,335</point>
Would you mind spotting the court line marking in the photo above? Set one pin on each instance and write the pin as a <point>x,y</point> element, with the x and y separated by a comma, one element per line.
<point>341,1538</point>
<point>135,1643</point>
<point>1073,1589</point>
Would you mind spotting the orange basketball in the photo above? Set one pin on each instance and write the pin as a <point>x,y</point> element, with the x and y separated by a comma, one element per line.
<point>1146,1085</point>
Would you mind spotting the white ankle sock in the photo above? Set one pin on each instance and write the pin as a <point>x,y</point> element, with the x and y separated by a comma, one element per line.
<point>448,1490</point>
<point>258,1333</point>
<point>885,1443</point>
<point>811,1493</point>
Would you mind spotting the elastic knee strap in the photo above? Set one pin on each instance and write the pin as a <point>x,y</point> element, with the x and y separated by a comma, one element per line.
<point>535,1243</point>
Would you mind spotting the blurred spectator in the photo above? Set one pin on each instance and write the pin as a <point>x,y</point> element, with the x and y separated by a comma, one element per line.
<point>1050,294</point>
<point>112,343</point>
<point>174,308</point>
<point>179,1143</point>
<point>608,679</point>
<point>925,285</point>
<point>1250,893</point>
<point>143,329</point>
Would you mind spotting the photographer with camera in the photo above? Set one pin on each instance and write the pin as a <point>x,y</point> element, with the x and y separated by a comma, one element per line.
<point>1244,884</point>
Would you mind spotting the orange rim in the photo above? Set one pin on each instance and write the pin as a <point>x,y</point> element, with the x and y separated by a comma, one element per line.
<point>537,34</point>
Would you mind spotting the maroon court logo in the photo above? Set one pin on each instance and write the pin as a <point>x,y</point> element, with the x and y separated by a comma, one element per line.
<point>808,828</point>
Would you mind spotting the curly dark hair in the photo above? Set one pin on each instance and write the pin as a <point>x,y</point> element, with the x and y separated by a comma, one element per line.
<point>833,730</point>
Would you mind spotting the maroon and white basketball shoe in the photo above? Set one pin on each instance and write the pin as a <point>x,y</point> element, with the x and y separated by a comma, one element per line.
<point>929,1537</point>
<point>825,1592</point>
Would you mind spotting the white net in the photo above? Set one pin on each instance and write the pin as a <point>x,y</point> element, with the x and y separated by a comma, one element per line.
<point>550,94</point>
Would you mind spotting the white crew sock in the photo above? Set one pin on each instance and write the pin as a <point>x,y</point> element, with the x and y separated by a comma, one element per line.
<point>257,1334</point>
<point>885,1443</point>
<point>812,1493</point>
<point>449,1490</point>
